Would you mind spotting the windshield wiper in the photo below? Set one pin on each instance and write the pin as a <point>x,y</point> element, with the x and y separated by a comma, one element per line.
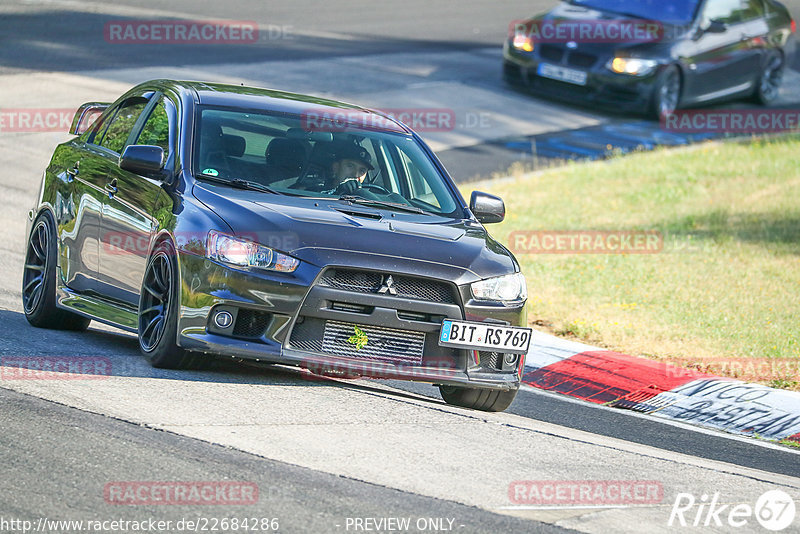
<point>239,183</point>
<point>382,203</point>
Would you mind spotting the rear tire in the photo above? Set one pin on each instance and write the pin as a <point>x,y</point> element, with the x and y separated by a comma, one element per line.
<point>487,400</point>
<point>39,281</point>
<point>158,313</point>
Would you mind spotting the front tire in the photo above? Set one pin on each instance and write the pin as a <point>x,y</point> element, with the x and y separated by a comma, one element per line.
<point>769,83</point>
<point>667,92</point>
<point>487,400</point>
<point>39,281</point>
<point>158,313</point>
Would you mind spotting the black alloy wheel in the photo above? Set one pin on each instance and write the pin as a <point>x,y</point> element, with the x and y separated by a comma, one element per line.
<point>39,280</point>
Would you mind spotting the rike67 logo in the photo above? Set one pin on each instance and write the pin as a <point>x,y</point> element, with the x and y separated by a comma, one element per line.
<point>774,510</point>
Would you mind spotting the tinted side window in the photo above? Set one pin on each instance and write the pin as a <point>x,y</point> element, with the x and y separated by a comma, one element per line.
<point>121,125</point>
<point>726,11</point>
<point>420,189</point>
<point>156,130</point>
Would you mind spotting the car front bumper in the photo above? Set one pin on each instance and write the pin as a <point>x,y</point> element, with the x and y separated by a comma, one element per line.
<point>603,87</point>
<point>306,318</point>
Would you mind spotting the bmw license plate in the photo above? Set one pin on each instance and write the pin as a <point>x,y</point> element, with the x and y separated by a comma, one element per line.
<point>562,74</point>
<point>490,336</point>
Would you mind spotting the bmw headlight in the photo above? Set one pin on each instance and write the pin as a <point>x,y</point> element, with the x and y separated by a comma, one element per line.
<point>522,41</point>
<point>501,288</point>
<point>228,249</point>
<point>632,65</point>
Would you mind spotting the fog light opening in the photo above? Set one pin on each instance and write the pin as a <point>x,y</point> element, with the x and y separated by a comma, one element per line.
<point>223,319</point>
<point>510,359</point>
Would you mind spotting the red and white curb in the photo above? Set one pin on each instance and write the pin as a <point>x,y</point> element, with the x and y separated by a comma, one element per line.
<point>660,389</point>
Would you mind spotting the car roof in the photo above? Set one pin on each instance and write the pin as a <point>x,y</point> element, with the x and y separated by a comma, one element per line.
<point>255,98</point>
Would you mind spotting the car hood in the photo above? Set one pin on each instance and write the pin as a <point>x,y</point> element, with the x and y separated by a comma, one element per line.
<point>331,232</point>
<point>668,33</point>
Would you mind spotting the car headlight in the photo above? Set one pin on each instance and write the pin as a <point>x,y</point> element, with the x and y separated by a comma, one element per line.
<point>237,251</point>
<point>632,65</point>
<point>501,288</point>
<point>522,41</point>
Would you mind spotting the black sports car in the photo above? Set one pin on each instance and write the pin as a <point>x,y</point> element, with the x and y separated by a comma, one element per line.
<point>652,55</point>
<point>213,219</point>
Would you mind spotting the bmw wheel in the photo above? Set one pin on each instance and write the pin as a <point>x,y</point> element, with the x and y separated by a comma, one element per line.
<point>39,281</point>
<point>667,92</point>
<point>487,400</point>
<point>158,313</point>
<point>769,83</point>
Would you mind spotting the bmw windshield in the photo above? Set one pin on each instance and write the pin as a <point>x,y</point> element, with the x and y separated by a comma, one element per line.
<point>311,156</point>
<point>670,11</point>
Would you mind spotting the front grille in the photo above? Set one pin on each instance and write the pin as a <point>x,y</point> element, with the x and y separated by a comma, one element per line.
<point>490,360</point>
<point>580,59</point>
<point>405,286</point>
<point>250,323</point>
<point>551,53</point>
<point>383,344</point>
<point>388,345</point>
<point>307,334</point>
<point>351,308</point>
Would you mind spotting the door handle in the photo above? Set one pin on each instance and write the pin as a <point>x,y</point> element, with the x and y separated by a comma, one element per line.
<point>111,188</point>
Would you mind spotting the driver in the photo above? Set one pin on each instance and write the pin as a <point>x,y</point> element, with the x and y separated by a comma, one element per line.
<point>349,168</point>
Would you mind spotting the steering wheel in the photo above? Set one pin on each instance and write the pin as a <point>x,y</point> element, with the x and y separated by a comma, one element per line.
<point>376,188</point>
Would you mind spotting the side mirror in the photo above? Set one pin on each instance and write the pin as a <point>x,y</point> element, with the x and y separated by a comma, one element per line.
<point>145,160</point>
<point>86,115</point>
<point>487,208</point>
<point>715,26</point>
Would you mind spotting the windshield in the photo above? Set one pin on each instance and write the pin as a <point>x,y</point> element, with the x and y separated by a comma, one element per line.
<point>292,155</point>
<point>670,11</point>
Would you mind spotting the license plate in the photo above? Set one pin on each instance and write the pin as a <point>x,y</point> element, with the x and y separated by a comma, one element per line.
<point>563,74</point>
<point>494,337</point>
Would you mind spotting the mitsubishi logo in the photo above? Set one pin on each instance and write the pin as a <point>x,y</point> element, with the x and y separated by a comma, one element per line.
<point>388,286</point>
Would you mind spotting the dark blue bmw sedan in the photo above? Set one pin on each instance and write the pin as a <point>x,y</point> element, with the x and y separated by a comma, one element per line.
<point>651,55</point>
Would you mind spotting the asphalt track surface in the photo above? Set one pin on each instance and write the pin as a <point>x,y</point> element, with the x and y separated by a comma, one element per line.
<point>70,455</point>
<point>320,451</point>
<point>440,55</point>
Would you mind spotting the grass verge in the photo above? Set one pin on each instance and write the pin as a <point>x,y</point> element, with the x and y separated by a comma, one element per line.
<point>722,293</point>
